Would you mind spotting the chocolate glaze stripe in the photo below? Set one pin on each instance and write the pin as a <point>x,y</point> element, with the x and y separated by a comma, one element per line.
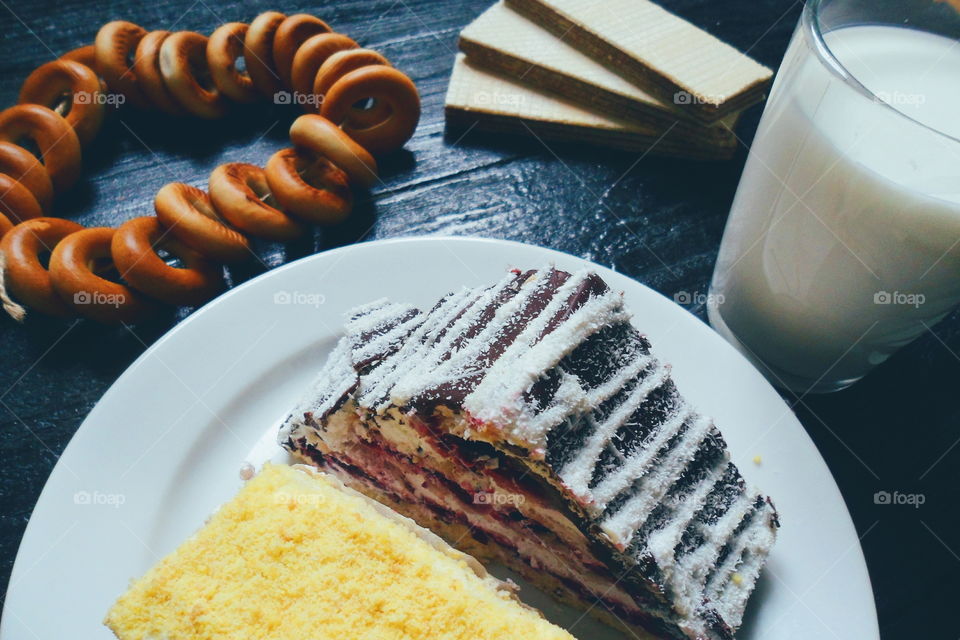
<point>564,406</point>
<point>576,474</point>
<point>390,337</point>
<point>536,319</point>
<point>483,343</point>
<point>636,465</point>
<point>377,327</point>
<point>691,574</point>
<point>505,324</point>
<point>731,600</point>
<point>663,542</point>
<point>529,356</point>
<point>612,386</point>
<point>653,484</point>
<point>545,285</point>
<point>376,385</point>
<point>514,372</point>
<point>338,377</point>
<point>444,364</point>
<point>735,549</point>
<point>442,322</point>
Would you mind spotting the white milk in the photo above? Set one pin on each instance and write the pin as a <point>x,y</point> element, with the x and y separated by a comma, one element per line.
<point>831,284</point>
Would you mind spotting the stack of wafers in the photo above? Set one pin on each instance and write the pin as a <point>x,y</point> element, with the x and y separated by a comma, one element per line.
<point>622,73</point>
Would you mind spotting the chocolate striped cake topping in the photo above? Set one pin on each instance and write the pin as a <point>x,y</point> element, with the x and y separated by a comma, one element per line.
<point>538,389</point>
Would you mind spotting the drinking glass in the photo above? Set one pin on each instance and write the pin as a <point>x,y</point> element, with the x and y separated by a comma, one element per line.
<point>843,242</point>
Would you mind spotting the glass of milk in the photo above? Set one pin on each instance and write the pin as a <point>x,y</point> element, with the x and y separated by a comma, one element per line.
<point>843,243</point>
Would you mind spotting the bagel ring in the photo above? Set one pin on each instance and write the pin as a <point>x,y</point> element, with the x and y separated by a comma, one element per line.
<point>382,84</point>
<point>290,35</point>
<point>310,57</point>
<point>134,250</point>
<point>223,49</point>
<point>146,65</point>
<point>241,195</point>
<point>292,176</point>
<point>115,45</point>
<point>189,215</point>
<point>85,55</point>
<point>324,138</point>
<point>72,265</point>
<point>16,201</point>
<point>70,89</point>
<point>56,140</point>
<point>26,277</point>
<point>342,63</point>
<point>24,167</point>
<point>183,63</point>
<point>5,225</point>
<point>258,52</point>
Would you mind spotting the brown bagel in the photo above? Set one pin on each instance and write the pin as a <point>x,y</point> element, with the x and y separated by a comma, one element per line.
<point>16,201</point>
<point>340,64</point>
<point>134,250</point>
<point>90,295</point>
<point>308,60</point>
<point>240,193</point>
<point>383,85</point>
<point>183,63</point>
<point>115,45</point>
<point>26,277</point>
<point>189,215</point>
<point>223,49</point>
<point>5,225</point>
<point>309,186</point>
<point>324,138</point>
<point>70,89</point>
<point>86,55</point>
<point>56,140</point>
<point>290,35</point>
<point>24,167</point>
<point>258,52</point>
<point>147,67</point>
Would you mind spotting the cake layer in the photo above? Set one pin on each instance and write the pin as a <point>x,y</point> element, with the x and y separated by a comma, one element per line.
<point>297,555</point>
<point>543,376</point>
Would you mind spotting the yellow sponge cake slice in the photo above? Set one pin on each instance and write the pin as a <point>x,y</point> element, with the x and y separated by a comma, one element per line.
<point>296,555</point>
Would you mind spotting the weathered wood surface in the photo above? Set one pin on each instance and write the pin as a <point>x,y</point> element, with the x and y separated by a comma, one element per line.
<point>659,221</point>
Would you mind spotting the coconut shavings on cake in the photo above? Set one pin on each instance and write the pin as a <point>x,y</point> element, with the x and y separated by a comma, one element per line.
<point>530,422</point>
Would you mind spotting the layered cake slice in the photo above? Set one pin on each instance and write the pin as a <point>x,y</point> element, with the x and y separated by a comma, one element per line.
<point>529,422</point>
<point>296,555</point>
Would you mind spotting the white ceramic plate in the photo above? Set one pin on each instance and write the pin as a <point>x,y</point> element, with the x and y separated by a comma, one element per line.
<point>164,446</point>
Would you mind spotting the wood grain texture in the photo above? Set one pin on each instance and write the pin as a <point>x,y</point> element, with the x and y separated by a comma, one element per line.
<point>657,220</point>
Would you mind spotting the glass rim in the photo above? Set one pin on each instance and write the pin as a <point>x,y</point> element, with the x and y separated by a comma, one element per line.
<point>810,23</point>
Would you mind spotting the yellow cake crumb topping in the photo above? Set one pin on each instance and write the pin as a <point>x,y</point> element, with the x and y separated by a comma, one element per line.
<point>295,556</point>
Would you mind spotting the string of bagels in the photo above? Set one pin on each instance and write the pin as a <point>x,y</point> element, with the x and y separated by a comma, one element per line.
<point>358,106</point>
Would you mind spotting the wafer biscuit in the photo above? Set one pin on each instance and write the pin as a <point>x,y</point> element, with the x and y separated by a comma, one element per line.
<point>680,62</point>
<point>480,99</point>
<point>507,42</point>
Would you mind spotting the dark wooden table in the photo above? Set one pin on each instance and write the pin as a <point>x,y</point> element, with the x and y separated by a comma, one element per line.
<point>659,221</point>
